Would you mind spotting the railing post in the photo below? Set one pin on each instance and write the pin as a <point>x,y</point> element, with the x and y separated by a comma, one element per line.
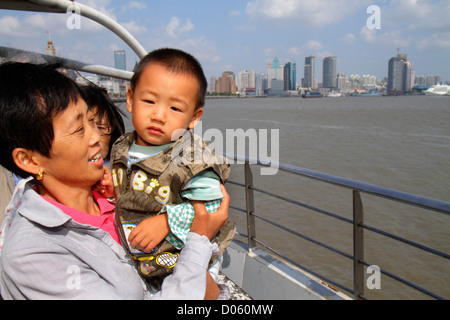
<point>250,206</point>
<point>358,246</point>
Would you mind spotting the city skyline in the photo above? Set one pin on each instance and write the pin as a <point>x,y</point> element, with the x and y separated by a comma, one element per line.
<point>246,35</point>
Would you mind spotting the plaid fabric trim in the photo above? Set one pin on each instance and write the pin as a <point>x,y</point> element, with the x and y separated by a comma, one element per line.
<point>180,218</point>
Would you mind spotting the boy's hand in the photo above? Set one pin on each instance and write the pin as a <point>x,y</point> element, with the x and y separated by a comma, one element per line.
<point>149,233</point>
<point>105,186</point>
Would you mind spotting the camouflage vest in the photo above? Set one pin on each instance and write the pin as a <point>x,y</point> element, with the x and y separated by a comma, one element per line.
<point>148,185</point>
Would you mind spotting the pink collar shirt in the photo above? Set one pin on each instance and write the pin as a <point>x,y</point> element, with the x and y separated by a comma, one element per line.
<point>105,221</point>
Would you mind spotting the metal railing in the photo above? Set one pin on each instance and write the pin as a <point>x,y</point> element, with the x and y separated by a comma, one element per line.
<point>357,221</point>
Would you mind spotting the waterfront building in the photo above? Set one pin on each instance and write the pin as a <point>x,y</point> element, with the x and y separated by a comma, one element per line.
<point>429,80</point>
<point>400,75</point>
<point>290,76</point>
<point>277,88</point>
<point>226,83</point>
<point>275,71</point>
<point>246,80</point>
<point>395,76</point>
<point>408,81</point>
<point>309,77</point>
<point>329,72</point>
<point>259,84</point>
<point>120,60</point>
<point>368,80</point>
<point>341,81</point>
<point>212,84</point>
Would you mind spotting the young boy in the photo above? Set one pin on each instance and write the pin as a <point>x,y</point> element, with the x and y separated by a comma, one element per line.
<point>166,94</point>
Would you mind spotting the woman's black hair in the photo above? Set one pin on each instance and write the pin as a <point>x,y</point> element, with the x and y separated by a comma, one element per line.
<point>31,95</point>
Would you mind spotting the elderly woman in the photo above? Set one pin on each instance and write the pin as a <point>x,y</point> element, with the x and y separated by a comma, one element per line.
<point>59,237</point>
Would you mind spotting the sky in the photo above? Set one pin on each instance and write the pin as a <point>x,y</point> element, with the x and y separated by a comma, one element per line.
<point>239,35</point>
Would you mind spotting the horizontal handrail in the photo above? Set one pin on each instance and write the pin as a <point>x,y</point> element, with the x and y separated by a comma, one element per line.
<point>392,194</point>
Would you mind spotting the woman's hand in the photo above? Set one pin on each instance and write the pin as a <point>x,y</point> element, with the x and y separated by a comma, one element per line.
<point>208,224</point>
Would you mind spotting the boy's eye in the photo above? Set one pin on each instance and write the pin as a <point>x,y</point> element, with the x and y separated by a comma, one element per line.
<point>176,109</point>
<point>149,101</point>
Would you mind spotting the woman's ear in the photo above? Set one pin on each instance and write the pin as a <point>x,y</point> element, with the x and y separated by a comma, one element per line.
<point>26,160</point>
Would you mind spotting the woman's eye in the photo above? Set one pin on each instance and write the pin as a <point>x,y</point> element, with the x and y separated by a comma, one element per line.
<point>79,130</point>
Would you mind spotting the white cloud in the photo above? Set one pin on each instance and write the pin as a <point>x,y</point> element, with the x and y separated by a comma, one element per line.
<point>440,41</point>
<point>134,28</point>
<point>349,38</point>
<point>393,38</point>
<point>294,51</point>
<point>305,12</point>
<point>175,28</point>
<point>418,14</point>
<point>323,54</point>
<point>202,49</point>
<point>368,35</point>
<point>312,45</point>
<point>10,26</point>
<point>134,5</point>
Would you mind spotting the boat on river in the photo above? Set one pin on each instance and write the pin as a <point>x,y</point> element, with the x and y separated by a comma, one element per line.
<point>251,266</point>
<point>312,95</point>
<point>438,90</point>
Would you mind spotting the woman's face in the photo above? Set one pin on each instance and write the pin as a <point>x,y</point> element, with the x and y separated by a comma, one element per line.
<point>75,157</point>
<point>105,139</point>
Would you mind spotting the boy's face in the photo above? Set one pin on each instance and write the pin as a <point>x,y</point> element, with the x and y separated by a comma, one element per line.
<point>161,103</point>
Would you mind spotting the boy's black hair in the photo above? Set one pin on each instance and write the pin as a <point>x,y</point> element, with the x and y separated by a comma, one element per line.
<point>176,61</point>
<point>96,96</point>
<point>30,97</point>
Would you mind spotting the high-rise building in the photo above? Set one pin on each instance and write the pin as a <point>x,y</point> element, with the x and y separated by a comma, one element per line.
<point>395,76</point>
<point>290,76</point>
<point>329,72</point>
<point>309,77</point>
<point>341,81</point>
<point>246,80</point>
<point>119,60</point>
<point>275,71</point>
<point>259,84</point>
<point>212,84</point>
<point>400,75</point>
<point>408,82</point>
<point>226,83</point>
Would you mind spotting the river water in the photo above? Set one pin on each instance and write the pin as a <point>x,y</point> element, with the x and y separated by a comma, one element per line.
<point>400,142</point>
